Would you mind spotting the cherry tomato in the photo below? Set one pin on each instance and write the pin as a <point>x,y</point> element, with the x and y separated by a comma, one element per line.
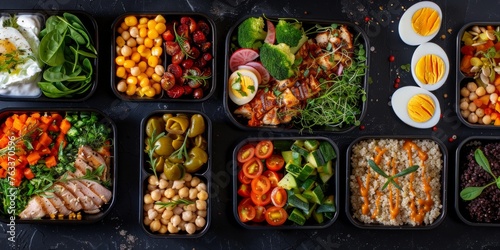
<point>178,57</point>
<point>259,214</point>
<point>246,201</point>
<point>190,22</point>
<point>246,212</point>
<point>261,184</point>
<point>175,92</point>
<point>273,177</point>
<point>264,149</point>
<point>242,178</point>
<point>278,197</point>
<point>206,46</point>
<point>245,153</point>
<point>199,37</point>
<point>187,90</point>
<point>207,56</point>
<point>175,69</point>
<point>275,162</point>
<point>260,199</point>
<point>167,81</point>
<point>194,52</point>
<point>204,27</point>
<point>276,216</point>
<point>244,190</point>
<point>467,50</point>
<point>198,93</point>
<point>182,30</point>
<point>172,48</point>
<point>168,35</point>
<point>253,168</point>
<point>187,63</point>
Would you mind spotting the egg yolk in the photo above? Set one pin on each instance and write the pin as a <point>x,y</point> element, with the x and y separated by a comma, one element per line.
<point>9,55</point>
<point>425,21</point>
<point>421,108</point>
<point>242,85</point>
<point>430,69</point>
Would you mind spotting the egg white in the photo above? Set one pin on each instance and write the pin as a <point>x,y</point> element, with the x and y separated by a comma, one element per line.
<point>427,49</point>
<point>244,99</point>
<point>406,32</point>
<point>399,103</point>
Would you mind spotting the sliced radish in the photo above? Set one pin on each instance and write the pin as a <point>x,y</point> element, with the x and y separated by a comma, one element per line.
<point>262,71</point>
<point>271,33</point>
<point>241,57</point>
<point>253,70</point>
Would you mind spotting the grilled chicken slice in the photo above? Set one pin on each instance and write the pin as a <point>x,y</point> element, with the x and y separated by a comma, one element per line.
<point>93,159</point>
<point>34,209</point>
<point>57,203</point>
<point>70,201</point>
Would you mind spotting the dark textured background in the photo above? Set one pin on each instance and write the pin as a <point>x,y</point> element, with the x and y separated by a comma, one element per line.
<point>121,229</point>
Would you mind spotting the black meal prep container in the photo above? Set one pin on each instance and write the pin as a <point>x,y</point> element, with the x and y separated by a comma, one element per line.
<point>464,148</point>
<point>333,186</point>
<point>91,25</point>
<point>463,79</point>
<point>358,34</point>
<point>105,209</point>
<point>204,174</point>
<point>444,178</point>
<point>163,97</point>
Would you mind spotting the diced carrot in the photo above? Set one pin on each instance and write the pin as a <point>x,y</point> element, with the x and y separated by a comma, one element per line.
<point>17,125</point>
<point>17,178</point>
<point>23,117</point>
<point>65,126</point>
<point>465,64</point>
<point>494,116</point>
<point>497,46</point>
<point>33,157</point>
<point>45,139</point>
<point>497,122</point>
<point>50,161</point>
<point>61,138</point>
<point>497,80</point>
<point>4,141</point>
<point>23,161</point>
<point>35,115</point>
<point>43,127</point>
<point>47,119</point>
<point>477,102</point>
<point>4,164</point>
<point>28,173</point>
<point>3,173</point>
<point>485,99</point>
<point>53,127</point>
<point>44,151</point>
<point>497,107</point>
<point>57,117</point>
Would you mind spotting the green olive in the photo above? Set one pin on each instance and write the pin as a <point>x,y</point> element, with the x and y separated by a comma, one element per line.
<point>174,159</point>
<point>200,141</point>
<point>154,124</point>
<point>177,125</point>
<point>177,140</point>
<point>165,117</point>
<point>163,146</point>
<point>173,171</point>
<point>197,125</point>
<point>197,157</point>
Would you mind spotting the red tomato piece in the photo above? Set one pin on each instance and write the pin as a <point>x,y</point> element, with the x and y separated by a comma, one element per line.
<point>260,199</point>
<point>273,177</point>
<point>467,50</point>
<point>261,184</point>
<point>246,201</point>
<point>168,36</point>
<point>253,168</point>
<point>244,190</point>
<point>275,162</point>
<point>271,33</point>
<point>264,149</point>
<point>259,214</point>
<point>278,197</point>
<point>242,178</point>
<point>176,70</point>
<point>276,216</point>
<point>246,153</point>
<point>241,57</point>
<point>246,212</point>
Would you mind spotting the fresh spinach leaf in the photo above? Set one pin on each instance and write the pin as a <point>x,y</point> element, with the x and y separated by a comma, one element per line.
<point>52,48</point>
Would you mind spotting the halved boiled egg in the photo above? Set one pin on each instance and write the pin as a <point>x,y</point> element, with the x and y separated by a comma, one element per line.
<point>242,86</point>
<point>420,23</point>
<point>430,66</point>
<point>416,107</point>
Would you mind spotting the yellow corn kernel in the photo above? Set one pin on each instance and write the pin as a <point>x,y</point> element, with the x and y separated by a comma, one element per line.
<point>149,91</point>
<point>160,19</point>
<point>160,28</point>
<point>131,21</point>
<point>152,34</point>
<point>156,51</point>
<point>119,60</point>
<point>131,80</point>
<point>158,42</point>
<point>144,82</point>
<point>150,71</point>
<point>152,61</point>
<point>139,92</point>
<point>141,76</point>
<point>143,66</point>
<point>148,42</point>
<point>143,32</point>
<point>157,88</point>
<point>141,48</point>
<point>121,72</point>
<point>120,41</point>
<point>131,88</point>
<point>155,77</point>
<point>128,64</point>
<point>151,24</point>
<point>124,26</point>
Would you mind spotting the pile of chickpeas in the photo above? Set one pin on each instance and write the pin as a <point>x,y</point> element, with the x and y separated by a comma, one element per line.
<point>138,55</point>
<point>470,110</point>
<point>188,218</point>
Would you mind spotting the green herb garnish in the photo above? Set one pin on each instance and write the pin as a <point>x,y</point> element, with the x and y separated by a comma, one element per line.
<point>173,203</point>
<point>470,193</point>
<point>406,67</point>
<point>151,150</point>
<point>390,179</point>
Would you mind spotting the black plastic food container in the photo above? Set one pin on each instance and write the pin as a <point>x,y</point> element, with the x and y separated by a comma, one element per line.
<point>208,91</point>
<point>91,26</point>
<point>462,79</point>
<point>443,180</point>
<point>332,185</point>
<point>359,36</point>
<point>467,146</point>
<point>204,174</point>
<point>105,209</point>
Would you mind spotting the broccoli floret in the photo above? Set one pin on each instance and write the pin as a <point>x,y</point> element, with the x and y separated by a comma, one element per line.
<point>291,33</point>
<point>251,33</point>
<point>278,60</point>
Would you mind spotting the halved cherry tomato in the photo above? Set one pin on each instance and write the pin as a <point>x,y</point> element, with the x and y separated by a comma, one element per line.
<point>246,153</point>
<point>259,214</point>
<point>278,197</point>
<point>275,162</point>
<point>273,177</point>
<point>242,178</point>
<point>253,168</point>
<point>264,149</point>
<point>244,190</point>
<point>245,201</point>
<point>261,184</point>
<point>246,212</point>
<point>260,199</point>
<point>276,216</point>
<point>467,50</point>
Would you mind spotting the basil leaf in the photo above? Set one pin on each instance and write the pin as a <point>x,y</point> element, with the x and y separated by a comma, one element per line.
<point>375,168</point>
<point>470,193</point>
<point>483,161</point>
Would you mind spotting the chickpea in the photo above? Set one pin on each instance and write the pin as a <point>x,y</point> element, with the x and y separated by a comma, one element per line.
<point>490,88</point>
<point>480,112</point>
<point>188,177</point>
<point>176,197</point>
<point>201,205</point>
<point>126,50</point>
<point>151,187</point>
<point>464,105</point>
<point>486,119</point>
<point>167,214</point>
<point>178,184</point>
<point>190,207</point>
<point>172,229</point>
<point>203,195</point>
<point>125,35</point>
<point>193,192</point>
<point>176,220</point>
<point>135,71</point>
<point>195,181</point>
<point>148,206</point>
<point>156,195</point>
<point>472,107</point>
<point>134,32</point>
<point>148,199</point>
<point>178,210</point>
<point>494,98</point>
<point>163,229</point>
<point>152,214</point>
<point>187,215</point>
<point>200,221</point>
<point>471,86</point>
<point>480,91</point>
<point>184,192</point>
<point>147,221</point>
<point>465,113</point>
<point>163,184</point>
<point>472,96</point>
<point>159,70</point>
<point>472,118</point>
<point>169,193</point>
<point>153,180</point>
<point>201,213</point>
<point>201,186</point>
<point>182,226</point>
<point>155,225</point>
<point>159,208</point>
<point>164,221</point>
<point>131,42</point>
<point>122,86</point>
<point>190,228</point>
<point>464,92</point>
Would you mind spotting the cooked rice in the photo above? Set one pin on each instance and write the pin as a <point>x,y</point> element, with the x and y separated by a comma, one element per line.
<point>379,211</point>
